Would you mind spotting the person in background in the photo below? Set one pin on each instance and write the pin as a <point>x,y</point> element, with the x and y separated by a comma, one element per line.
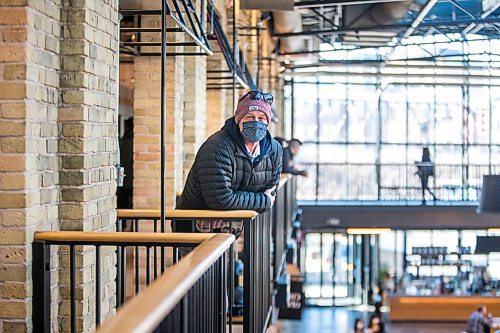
<point>425,169</point>
<point>290,150</point>
<point>378,299</point>
<point>125,192</point>
<point>238,167</point>
<point>359,326</point>
<point>388,283</point>
<point>479,321</point>
<point>375,325</point>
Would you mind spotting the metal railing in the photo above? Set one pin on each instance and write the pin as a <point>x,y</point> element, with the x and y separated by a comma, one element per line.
<point>190,297</point>
<point>201,293</point>
<point>141,220</point>
<point>264,248</point>
<point>265,239</point>
<point>391,182</point>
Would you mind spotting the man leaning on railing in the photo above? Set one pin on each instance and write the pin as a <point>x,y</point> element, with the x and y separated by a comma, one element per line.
<point>237,168</point>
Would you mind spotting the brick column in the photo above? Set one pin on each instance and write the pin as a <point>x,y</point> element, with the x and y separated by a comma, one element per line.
<point>146,183</point>
<point>195,83</point>
<point>216,98</point>
<point>216,107</point>
<point>88,147</point>
<point>29,80</point>
<point>229,93</point>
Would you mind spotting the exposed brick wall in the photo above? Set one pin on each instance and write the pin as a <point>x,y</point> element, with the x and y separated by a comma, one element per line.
<point>88,146</point>
<point>13,235</point>
<point>216,98</point>
<point>29,81</point>
<point>195,83</point>
<point>58,129</point>
<point>147,132</point>
<point>147,105</point>
<point>216,110</point>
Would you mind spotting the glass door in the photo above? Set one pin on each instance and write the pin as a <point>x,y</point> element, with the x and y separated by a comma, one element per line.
<point>330,269</point>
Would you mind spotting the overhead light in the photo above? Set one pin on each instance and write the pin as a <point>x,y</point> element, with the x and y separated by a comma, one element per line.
<point>367,231</point>
<point>494,230</point>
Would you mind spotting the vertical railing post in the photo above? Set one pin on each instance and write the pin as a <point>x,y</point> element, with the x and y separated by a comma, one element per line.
<point>257,274</point>
<point>231,278</point>
<point>223,288</point>
<point>248,307</point>
<point>41,287</point>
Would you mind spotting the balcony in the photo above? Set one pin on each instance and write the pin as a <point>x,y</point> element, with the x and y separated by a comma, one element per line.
<point>159,286</point>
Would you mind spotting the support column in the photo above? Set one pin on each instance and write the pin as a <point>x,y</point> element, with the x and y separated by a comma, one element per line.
<point>216,98</point>
<point>88,148</point>
<point>195,103</point>
<point>146,183</point>
<point>29,82</point>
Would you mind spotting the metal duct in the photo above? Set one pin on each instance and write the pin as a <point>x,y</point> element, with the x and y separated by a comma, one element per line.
<point>286,19</point>
<point>267,5</point>
<point>374,15</point>
<point>289,21</point>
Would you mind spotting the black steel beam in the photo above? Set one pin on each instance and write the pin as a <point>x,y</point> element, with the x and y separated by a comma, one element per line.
<point>133,12</point>
<point>139,29</point>
<point>317,217</point>
<point>365,47</point>
<point>219,71</point>
<point>315,11</point>
<point>219,77</point>
<point>325,3</point>
<point>391,64</point>
<point>194,30</point>
<point>451,23</point>
<point>172,54</point>
<point>158,43</point>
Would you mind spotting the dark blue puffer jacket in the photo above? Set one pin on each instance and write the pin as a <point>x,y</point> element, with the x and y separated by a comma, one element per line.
<point>224,177</point>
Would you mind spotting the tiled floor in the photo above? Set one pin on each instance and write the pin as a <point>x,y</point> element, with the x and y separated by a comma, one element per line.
<point>341,320</point>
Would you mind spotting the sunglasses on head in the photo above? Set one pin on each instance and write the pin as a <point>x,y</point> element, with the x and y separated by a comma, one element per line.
<point>256,95</point>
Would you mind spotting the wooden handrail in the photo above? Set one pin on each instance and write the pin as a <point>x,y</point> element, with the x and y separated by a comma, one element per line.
<point>188,214</point>
<point>148,309</point>
<point>283,179</point>
<point>136,213</point>
<point>195,213</point>
<point>104,238</point>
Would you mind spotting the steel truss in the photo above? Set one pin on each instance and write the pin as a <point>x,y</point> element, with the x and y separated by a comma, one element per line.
<point>181,12</point>
<point>222,79</point>
<point>419,23</point>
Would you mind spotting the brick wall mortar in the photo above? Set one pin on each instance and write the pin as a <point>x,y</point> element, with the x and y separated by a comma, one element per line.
<point>195,83</point>
<point>29,46</point>
<point>215,99</point>
<point>88,146</point>
<point>147,92</point>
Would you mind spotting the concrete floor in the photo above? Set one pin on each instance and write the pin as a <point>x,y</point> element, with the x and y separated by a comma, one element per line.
<point>341,320</point>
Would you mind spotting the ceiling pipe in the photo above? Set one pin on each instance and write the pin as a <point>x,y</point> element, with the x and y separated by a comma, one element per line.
<point>289,22</point>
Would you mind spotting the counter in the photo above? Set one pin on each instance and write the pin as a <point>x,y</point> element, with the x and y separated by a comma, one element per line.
<point>439,308</point>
